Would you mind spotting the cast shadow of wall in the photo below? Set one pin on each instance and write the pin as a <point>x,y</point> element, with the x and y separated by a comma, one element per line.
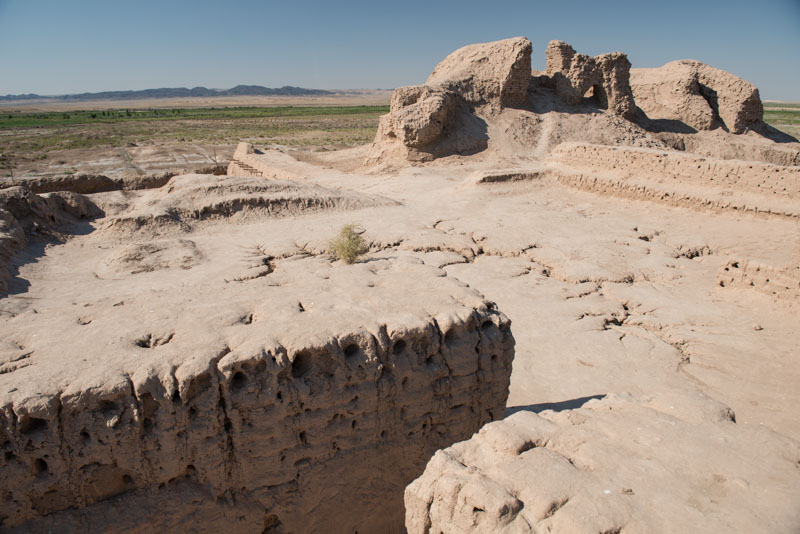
<point>571,404</point>
<point>36,248</point>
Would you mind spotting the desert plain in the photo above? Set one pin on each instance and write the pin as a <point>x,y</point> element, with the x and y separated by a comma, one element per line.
<point>577,313</point>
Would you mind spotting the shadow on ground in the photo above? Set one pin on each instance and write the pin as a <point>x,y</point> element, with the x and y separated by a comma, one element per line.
<point>555,406</point>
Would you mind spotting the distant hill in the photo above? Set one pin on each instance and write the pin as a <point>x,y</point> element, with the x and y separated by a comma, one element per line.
<point>177,92</point>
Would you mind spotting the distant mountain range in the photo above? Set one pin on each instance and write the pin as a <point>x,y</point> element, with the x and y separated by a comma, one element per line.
<point>177,92</point>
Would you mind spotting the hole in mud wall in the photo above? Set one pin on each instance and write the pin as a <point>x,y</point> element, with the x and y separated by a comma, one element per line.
<point>239,381</point>
<point>200,384</point>
<point>711,97</point>
<point>596,96</point>
<point>32,425</point>
<point>450,336</point>
<point>301,364</point>
<point>107,407</point>
<point>149,405</point>
<point>40,468</point>
<point>351,351</point>
<point>399,347</point>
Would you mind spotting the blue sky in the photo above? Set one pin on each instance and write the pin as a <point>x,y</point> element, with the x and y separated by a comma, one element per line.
<point>57,47</point>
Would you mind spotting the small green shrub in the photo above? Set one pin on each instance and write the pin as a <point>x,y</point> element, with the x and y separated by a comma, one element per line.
<point>348,245</point>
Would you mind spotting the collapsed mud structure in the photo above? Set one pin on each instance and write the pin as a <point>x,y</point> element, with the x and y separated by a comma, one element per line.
<point>571,470</point>
<point>606,78</point>
<point>567,472</point>
<point>684,105</point>
<point>698,95</point>
<point>281,386</point>
<point>191,358</point>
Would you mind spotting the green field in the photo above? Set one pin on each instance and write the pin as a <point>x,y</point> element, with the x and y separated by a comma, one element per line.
<point>69,118</point>
<point>782,105</point>
<point>784,116</point>
<point>30,137</point>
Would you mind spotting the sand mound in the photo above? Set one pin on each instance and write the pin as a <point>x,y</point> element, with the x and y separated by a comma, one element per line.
<point>188,200</point>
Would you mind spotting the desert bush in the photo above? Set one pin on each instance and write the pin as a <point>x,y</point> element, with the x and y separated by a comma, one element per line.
<point>348,245</point>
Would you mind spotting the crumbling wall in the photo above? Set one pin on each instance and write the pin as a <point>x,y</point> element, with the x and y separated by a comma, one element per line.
<point>780,283</point>
<point>489,75</point>
<point>246,162</point>
<point>573,75</point>
<point>698,95</point>
<point>189,200</point>
<point>496,73</point>
<point>617,464</point>
<point>87,184</point>
<point>418,115</point>
<point>778,180</point>
<point>677,178</point>
<point>315,437</point>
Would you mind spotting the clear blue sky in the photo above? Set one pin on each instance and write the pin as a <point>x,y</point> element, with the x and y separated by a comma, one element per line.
<point>69,46</point>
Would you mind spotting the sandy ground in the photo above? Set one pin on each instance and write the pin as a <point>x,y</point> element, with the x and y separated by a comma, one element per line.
<point>566,266</point>
<point>607,295</point>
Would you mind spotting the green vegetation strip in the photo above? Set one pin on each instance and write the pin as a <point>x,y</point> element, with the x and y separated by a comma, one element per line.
<point>65,118</point>
<point>768,105</point>
<point>783,116</point>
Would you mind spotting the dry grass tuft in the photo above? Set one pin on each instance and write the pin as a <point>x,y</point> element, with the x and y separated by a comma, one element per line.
<point>348,245</point>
